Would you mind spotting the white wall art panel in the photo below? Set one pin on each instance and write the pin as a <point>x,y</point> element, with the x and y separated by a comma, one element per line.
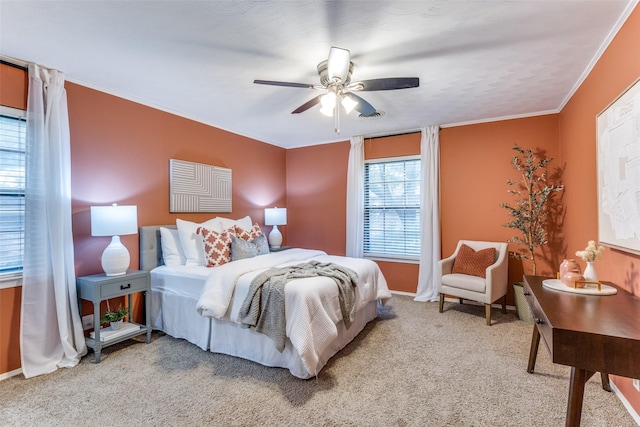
<point>618,142</point>
<point>195,187</point>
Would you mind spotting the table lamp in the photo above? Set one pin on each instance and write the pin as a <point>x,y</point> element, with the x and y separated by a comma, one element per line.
<point>114,221</point>
<point>275,216</point>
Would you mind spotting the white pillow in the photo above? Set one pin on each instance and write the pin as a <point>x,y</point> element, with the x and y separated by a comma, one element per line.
<point>191,242</point>
<point>172,252</point>
<point>244,223</point>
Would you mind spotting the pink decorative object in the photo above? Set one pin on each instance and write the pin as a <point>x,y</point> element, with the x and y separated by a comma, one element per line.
<point>568,265</point>
<point>571,278</point>
<point>570,273</point>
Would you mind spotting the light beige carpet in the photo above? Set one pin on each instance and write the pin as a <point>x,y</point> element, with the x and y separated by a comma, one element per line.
<point>411,367</point>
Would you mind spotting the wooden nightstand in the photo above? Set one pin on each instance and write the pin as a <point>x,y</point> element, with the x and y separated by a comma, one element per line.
<point>281,248</point>
<point>100,287</point>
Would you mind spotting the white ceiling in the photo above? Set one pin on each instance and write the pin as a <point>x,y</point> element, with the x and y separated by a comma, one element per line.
<point>476,60</point>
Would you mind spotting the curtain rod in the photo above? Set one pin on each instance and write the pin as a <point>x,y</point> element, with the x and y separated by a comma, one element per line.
<point>11,64</point>
<point>391,134</point>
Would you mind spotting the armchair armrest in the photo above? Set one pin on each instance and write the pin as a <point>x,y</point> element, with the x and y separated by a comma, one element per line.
<point>497,275</point>
<point>446,265</point>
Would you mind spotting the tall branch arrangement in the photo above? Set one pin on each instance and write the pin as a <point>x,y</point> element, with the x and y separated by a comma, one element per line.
<point>532,193</point>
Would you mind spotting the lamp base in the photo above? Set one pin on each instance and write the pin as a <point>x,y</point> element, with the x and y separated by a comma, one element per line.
<point>275,238</point>
<point>115,258</point>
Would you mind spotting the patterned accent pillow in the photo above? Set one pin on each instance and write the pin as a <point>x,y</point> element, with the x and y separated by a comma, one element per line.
<point>217,246</point>
<point>474,263</point>
<point>262,244</point>
<point>241,249</point>
<point>247,235</point>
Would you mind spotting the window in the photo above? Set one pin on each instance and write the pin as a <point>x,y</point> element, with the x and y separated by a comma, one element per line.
<point>392,208</point>
<point>12,189</point>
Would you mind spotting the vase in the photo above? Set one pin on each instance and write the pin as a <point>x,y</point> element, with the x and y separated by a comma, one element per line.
<point>572,279</point>
<point>567,266</point>
<point>590,272</point>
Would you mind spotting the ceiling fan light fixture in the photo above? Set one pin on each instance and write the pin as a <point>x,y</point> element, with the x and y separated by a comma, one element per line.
<point>327,111</point>
<point>348,103</point>
<point>338,64</point>
<point>328,103</point>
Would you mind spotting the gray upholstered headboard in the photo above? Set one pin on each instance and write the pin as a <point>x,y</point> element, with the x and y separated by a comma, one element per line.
<point>150,247</point>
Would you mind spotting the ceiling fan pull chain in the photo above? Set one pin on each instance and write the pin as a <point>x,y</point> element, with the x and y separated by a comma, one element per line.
<point>336,111</point>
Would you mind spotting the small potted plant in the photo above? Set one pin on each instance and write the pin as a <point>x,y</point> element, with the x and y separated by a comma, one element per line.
<point>115,318</point>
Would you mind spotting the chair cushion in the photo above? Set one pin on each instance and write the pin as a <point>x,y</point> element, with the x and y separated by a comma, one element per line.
<point>465,281</point>
<point>474,263</point>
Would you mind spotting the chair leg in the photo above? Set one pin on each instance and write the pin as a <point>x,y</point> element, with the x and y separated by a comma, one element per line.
<point>487,309</point>
<point>504,304</point>
<point>441,302</point>
<point>461,300</point>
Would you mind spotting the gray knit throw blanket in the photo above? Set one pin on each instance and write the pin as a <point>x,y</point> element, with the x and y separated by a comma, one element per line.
<point>263,308</point>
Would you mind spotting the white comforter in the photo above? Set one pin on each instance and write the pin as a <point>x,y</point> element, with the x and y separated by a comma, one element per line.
<point>312,307</point>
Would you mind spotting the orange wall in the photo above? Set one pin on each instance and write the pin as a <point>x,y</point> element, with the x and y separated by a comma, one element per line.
<point>13,90</point>
<point>120,153</point>
<point>10,301</point>
<point>475,163</point>
<point>616,70</point>
<point>317,197</point>
<point>13,93</point>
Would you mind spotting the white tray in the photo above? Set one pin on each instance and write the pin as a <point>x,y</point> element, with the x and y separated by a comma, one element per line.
<point>589,289</point>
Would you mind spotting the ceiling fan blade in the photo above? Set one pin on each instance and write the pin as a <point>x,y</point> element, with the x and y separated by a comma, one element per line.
<point>307,105</point>
<point>338,63</point>
<point>363,107</point>
<point>390,83</point>
<point>286,84</point>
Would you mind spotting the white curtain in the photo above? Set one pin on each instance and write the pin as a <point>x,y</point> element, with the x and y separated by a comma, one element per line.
<point>430,214</point>
<point>51,333</point>
<point>355,199</point>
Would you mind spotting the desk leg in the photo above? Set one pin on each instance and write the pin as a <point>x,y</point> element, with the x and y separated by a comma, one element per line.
<point>605,381</point>
<point>533,352</point>
<point>579,377</point>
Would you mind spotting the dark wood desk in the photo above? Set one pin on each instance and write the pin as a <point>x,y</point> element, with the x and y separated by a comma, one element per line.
<point>590,333</point>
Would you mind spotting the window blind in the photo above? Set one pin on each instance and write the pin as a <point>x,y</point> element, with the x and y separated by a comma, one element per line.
<point>392,209</point>
<point>12,192</point>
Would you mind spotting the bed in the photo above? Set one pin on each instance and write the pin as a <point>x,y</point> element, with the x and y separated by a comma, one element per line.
<point>201,304</point>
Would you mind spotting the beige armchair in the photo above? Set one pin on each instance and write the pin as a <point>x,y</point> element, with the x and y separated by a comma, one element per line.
<point>460,274</point>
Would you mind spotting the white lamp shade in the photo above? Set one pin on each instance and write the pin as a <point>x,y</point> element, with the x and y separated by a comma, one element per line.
<point>114,220</point>
<point>275,216</point>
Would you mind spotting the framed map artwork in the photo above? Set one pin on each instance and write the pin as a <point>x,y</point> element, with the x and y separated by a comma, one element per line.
<point>618,158</point>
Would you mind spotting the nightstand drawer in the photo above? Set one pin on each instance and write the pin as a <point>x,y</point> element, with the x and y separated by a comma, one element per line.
<point>110,290</point>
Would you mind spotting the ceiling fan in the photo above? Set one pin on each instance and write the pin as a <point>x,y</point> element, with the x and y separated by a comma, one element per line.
<point>338,89</point>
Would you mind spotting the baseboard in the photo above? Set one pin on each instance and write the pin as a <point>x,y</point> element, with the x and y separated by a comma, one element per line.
<point>625,402</point>
<point>10,374</point>
<point>409,294</point>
